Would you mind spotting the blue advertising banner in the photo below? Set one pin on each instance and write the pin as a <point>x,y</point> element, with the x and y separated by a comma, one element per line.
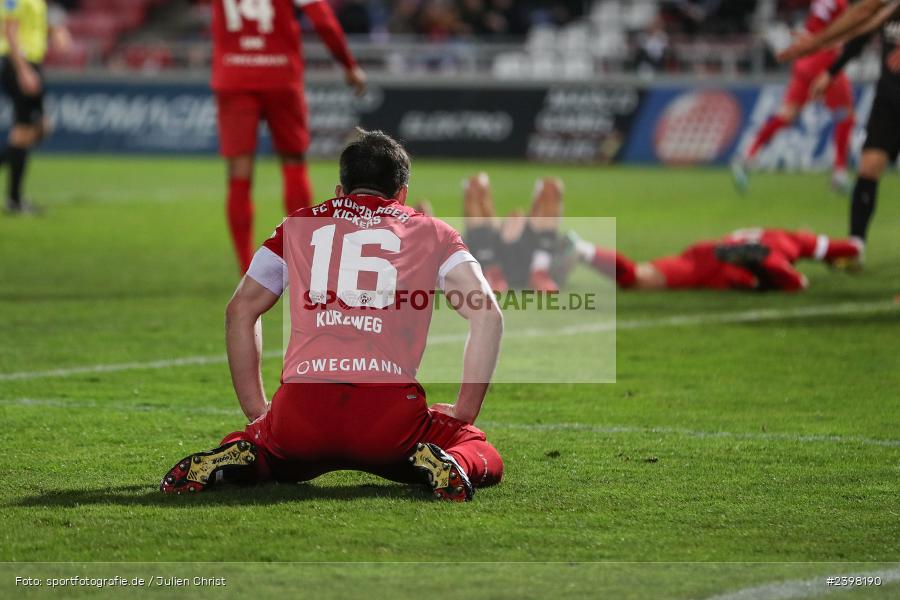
<point>683,126</point>
<point>163,118</point>
<point>671,125</point>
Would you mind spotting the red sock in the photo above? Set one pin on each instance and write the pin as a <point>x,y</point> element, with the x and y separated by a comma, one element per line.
<point>615,266</point>
<point>480,460</point>
<point>297,187</point>
<point>766,133</point>
<point>842,133</point>
<point>469,446</point>
<point>240,221</point>
<point>841,249</point>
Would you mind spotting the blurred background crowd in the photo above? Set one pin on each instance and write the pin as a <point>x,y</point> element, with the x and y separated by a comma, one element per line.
<point>504,38</point>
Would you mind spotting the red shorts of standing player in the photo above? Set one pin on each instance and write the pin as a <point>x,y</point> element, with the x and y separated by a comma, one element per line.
<point>838,97</point>
<point>750,259</point>
<point>353,267</point>
<point>257,77</point>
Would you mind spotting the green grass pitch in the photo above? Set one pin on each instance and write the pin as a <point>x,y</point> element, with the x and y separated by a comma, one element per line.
<point>772,441</point>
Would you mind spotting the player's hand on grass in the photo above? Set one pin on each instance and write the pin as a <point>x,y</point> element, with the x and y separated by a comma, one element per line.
<point>29,82</point>
<point>819,86</point>
<point>356,78</point>
<point>893,61</point>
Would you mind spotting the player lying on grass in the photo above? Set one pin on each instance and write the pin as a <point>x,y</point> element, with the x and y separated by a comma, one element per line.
<point>528,251</point>
<point>748,259</point>
<point>349,398</point>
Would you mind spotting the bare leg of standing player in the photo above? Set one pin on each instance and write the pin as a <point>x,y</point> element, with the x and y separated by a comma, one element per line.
<point>839,99</point>
<point>22,138</point>
<point>297,195</point>
<point>239,116</point>
<point>239,208</point>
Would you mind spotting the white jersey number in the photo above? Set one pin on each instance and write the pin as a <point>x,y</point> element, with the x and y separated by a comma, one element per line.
<point>352,264</point>
<point>261,11</point>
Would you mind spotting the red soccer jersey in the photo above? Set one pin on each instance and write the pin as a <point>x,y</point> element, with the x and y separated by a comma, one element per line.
<point>790,245</point>
<point>363,271</point>
<point>256,43</point>
<point>823,13</point>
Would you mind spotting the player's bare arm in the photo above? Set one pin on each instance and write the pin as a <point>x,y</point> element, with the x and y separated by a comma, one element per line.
<point>60,38</point>
<point>480,309</point>
<point>329,31</point>
<point>855,16</point>
<point>243,338</point>
<point>872,24</point>
<point>27,76</point>
<point>854,41</point>
<point>59,35</point>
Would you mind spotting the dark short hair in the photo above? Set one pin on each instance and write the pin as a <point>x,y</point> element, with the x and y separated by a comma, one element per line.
<point>374,161</point>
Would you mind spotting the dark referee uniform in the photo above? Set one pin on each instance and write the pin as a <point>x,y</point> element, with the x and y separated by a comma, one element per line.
<point>32,18</point>
<point>883,129</point>
<point>28,109</point>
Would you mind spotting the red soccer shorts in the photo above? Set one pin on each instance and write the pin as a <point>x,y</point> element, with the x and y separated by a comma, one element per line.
<point>838,95</point>
<point>315,428</point>
<point>284,111</point>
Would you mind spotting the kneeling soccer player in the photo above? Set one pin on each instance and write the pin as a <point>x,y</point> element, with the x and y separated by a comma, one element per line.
<point>349,398</point>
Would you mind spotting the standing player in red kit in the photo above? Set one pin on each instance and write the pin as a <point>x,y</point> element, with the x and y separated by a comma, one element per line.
<point>362,269</point>
<point>838,97</point>
<point>257,75</point>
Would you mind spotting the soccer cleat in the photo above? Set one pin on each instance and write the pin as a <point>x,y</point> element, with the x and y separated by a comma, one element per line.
<point>446,477</point>
<point>847,264</point>
<point>840,182</point>
<point>197,472</point>
<point>22,207</point>
<point>851,262</point>
<point>740,176</point>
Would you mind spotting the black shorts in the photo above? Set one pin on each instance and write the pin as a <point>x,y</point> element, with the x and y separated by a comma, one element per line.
<point>883,130</point>
<point>27,110</point>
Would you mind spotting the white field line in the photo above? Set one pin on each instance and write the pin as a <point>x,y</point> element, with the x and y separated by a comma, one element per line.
<point>691,433</point>
<point>798,589</point>
<point>747,316</point>
<point>800,438</point>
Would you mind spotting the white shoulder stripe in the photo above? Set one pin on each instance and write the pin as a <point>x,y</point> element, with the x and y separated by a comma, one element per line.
<point>305,2</point>
<point>268,270</point>
<point>457,258</point>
